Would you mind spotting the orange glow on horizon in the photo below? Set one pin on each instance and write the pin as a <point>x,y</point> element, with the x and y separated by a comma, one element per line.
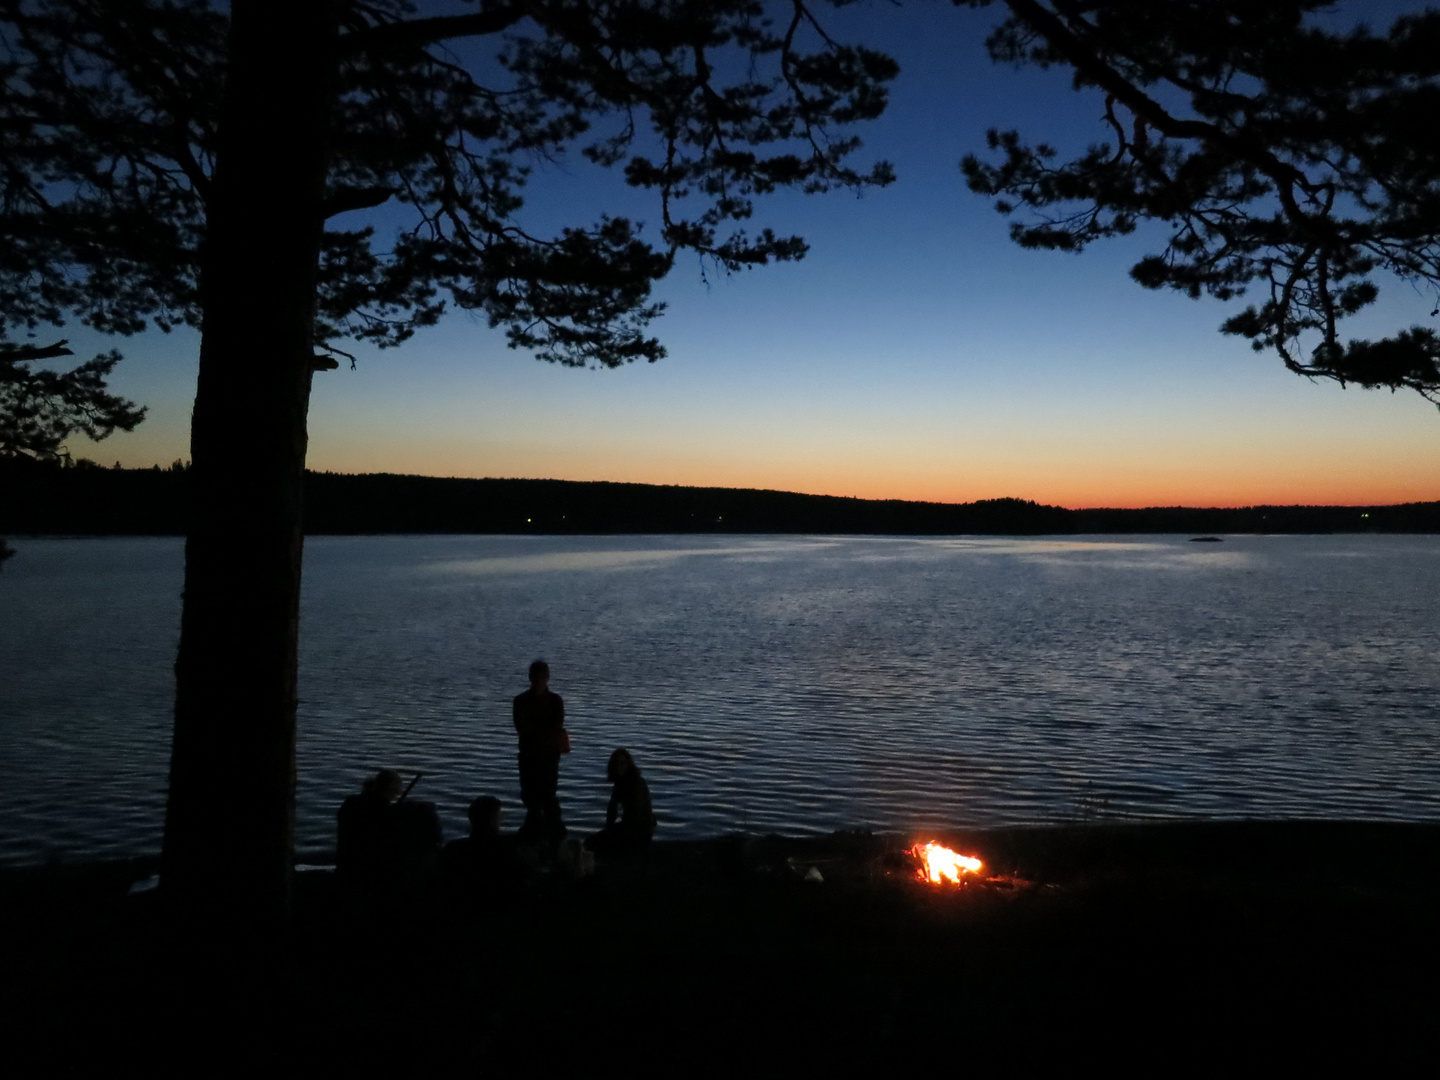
<point>1098,490</point>
<point>1363,455</point>
<point>877,442</point>
<point>1116,498</point>
<point>1360,479</point>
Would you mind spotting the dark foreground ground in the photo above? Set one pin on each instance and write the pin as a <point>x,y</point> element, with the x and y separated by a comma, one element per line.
<point>1170,948</point>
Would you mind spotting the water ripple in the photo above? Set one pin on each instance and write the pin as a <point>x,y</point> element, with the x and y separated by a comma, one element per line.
<point>790,684</point>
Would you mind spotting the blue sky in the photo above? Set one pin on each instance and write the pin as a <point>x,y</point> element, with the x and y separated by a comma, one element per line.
<point>915,353</point>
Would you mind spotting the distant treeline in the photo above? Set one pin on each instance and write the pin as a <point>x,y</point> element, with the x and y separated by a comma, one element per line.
<point>90,500</point>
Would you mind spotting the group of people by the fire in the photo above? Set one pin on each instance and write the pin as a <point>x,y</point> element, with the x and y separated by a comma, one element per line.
<point>384,838</point>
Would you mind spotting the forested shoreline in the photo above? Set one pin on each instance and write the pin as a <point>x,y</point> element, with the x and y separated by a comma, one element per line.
<point>38,499</point>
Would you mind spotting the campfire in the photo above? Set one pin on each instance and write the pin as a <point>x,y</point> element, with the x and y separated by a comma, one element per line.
<point>939,864</point>
<point>930,869</point>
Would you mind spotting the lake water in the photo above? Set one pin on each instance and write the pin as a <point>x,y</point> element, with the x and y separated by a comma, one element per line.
<point>764,683</point>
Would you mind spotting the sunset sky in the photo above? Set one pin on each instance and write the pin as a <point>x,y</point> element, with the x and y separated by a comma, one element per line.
<point>915,353</point>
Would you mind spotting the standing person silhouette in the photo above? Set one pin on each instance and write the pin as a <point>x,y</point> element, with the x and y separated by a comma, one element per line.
<point>539,718</point>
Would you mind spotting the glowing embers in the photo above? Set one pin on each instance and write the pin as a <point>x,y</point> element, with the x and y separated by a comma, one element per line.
<point>939,865</point>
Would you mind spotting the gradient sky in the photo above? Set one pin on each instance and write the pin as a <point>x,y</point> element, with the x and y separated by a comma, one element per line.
<point>915,353</point>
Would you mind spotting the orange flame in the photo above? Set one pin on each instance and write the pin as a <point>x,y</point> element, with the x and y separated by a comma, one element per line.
<point>940,864</point>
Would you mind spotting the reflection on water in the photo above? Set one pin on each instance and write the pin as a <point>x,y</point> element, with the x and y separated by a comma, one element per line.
<point>583,560</point>
<point>788,684</point>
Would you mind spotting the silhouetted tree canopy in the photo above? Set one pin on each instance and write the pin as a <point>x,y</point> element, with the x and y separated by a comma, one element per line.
<point>40,409</point>
<point>111,110</point>
<point>1285,159</point>
<point>169,162</point>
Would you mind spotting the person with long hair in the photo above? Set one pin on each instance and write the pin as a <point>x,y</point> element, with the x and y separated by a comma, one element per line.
<point>629,819</point>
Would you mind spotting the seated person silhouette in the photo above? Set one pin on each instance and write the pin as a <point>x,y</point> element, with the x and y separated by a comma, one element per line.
<point>384,838</point>
<point>629,819</point>
<point>364,846</point>
<point>482,870</point>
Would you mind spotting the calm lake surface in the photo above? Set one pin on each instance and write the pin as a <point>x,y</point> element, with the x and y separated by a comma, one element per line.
<point>764,683</point>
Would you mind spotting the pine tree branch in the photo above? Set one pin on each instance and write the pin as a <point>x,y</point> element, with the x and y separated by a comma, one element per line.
<point>1086,61</point>
<point>410,33</point>
<point>15,354</point>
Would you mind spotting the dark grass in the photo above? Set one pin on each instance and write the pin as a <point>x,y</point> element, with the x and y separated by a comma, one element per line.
<point>1169,947</point>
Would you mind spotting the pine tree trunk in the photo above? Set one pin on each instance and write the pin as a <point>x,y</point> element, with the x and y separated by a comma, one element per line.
<point>229,827</point>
